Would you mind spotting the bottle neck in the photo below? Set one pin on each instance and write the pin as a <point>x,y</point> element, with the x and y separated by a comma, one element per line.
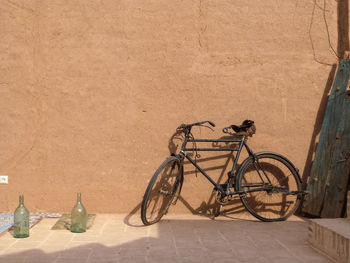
<point>79,197</point>
<point>21,200</point>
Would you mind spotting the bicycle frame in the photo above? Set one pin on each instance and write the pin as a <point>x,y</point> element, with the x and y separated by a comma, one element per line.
<point>238,150</point>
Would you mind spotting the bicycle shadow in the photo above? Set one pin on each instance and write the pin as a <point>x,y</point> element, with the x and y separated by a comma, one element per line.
<point>217,163</point>
<point>264,204</point>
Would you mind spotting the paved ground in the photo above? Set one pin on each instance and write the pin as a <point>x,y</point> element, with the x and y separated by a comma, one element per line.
<point>181,238</point>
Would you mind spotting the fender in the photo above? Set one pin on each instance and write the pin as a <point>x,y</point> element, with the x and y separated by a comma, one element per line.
<point>239,171</point>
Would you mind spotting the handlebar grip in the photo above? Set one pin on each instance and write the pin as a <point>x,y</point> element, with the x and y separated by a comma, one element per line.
<point>211,123</point>
<point>202,122</point>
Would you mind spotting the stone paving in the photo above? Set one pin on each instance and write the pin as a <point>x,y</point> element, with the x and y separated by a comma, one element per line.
<point>181,238</point>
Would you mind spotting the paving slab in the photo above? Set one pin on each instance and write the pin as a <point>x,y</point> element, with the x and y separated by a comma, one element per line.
<point>178,238</point>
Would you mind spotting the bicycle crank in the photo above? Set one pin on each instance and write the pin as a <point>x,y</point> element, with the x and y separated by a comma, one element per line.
<point>223,200</point>
<point>164,192</point>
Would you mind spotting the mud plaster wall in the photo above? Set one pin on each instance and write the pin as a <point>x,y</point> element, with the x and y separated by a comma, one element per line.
<point>92,91</point>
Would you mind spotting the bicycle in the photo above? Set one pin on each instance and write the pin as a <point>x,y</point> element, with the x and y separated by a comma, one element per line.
<point>268,184</point>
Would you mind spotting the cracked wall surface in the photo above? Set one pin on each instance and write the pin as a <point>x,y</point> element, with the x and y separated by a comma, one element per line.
<point>91,92</point>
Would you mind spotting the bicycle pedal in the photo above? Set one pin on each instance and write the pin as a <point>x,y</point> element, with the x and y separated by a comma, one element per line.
<point>218,211</point>
<point>175,200</point>
<point>231,175</point>
<point>163,192</point>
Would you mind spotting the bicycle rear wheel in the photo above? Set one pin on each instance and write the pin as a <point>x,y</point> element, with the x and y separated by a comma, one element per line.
<point>273,171</point>
<point>164,187</point>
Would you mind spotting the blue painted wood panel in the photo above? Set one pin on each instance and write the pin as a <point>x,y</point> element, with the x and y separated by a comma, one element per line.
<point>327,185</point>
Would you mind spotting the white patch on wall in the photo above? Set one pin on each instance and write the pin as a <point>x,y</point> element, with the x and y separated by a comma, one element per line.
<point>4,179</point>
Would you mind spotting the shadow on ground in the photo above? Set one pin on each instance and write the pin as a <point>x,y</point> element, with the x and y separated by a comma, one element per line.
<point>174,240</point>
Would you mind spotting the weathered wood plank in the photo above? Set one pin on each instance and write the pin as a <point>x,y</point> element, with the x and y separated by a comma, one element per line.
<point>328,178</point>
<point>336,192</point>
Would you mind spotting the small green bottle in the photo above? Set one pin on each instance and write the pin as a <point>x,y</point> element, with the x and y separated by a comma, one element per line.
<point>78,217</point>
<point>21,220</point>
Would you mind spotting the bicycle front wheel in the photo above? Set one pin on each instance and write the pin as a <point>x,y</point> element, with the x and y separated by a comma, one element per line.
<point>281,181</point>
<point>163,188</point>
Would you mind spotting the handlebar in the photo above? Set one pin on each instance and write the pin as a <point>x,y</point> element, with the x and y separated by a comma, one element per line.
<point>202,122</point>
<point>183,126</point>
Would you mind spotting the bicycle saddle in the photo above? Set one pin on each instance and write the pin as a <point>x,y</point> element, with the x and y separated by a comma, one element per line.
<point>247,128</point>
<point>243,127</point>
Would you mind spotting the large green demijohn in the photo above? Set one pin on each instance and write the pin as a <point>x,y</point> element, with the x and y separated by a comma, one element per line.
<point>21,220</point>
<point>78,217</point>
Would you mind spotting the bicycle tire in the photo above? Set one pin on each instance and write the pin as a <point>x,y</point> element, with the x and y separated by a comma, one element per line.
<point>165,184</point>
<point>265,205</point>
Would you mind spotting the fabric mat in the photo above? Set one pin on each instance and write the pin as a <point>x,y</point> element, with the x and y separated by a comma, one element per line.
<point>6,219</point>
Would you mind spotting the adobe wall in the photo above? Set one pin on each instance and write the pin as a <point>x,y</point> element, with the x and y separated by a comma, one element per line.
<point>92,91</point>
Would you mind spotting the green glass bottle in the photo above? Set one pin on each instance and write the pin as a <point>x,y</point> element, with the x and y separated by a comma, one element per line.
<point>78,217</point>
<point>21,220</point>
